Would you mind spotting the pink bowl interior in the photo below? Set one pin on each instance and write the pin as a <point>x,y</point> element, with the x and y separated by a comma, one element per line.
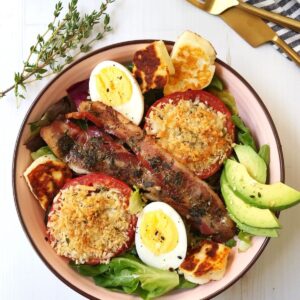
<point>31,215</point>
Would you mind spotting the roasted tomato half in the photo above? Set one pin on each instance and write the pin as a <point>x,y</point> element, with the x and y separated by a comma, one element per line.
<point>89,221</point>
<point>195,127</point>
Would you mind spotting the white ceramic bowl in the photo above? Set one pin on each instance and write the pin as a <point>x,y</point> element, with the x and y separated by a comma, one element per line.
<point>251,109</point>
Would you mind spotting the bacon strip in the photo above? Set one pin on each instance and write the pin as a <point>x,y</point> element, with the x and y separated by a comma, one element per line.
<point>179,187</point>
<point>95,151</point>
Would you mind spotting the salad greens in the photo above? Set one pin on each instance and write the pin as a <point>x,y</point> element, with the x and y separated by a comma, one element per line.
<point>136,203</point>
<point>63,106</point>
<point>227,99</point>
<point>216,87</point>
<point>245,241</point>
<point>40,152</point>
<point>231,243</point>
<point>264,153</point>
<point>216,83</point>
<point>128,274</point>
<point>244,135</point>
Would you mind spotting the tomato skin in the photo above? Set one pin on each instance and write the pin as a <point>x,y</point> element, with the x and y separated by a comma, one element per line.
<point>112,183</point>
<point>209,100</point>
<point>103,179</point>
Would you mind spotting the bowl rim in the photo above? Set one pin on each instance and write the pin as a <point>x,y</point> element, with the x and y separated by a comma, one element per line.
<point>92,53</point>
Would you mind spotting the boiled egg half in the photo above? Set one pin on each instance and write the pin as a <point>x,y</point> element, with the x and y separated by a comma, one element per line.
<point>113,84</point>
<point>160,238</point>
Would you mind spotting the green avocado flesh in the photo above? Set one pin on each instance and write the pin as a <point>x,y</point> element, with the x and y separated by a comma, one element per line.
<point>269,232</point>
<point>245,213</point>
<point>277,196</point>
<point>254,164</point>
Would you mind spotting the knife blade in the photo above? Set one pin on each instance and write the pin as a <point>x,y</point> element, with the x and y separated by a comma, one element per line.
<point>252,29</point>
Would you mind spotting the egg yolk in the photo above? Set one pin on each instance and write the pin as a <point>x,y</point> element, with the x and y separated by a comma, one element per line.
<point>158,232</point>
<point>114,86</point>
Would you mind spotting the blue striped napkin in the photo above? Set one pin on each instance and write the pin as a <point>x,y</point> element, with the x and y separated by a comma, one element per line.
<point>288,8</point>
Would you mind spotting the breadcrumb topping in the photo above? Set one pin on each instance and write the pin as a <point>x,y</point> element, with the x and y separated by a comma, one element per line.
<point>193,132</point>
<point>88,223</point>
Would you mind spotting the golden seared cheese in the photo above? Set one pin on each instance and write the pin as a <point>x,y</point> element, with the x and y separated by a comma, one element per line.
<point>193,58</point>
<point>193,132</point>
<point>88,223</point>
<point>45,177</point>
<point>152,66</point>
<point>206,262</point>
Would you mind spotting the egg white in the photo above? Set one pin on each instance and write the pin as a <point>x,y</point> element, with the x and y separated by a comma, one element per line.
<point>134,108</point>
<point>175,257</point>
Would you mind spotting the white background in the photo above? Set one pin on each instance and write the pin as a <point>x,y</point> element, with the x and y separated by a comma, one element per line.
<point>277,80</point>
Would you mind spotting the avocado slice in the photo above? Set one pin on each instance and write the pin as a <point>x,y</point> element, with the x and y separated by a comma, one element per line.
<point>277,196</point>
<point>269,232</point>
<point>254,164</point>
<point>245,213</point>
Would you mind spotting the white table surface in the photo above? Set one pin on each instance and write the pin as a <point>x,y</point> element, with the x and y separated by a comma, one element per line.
<point>276,273</point>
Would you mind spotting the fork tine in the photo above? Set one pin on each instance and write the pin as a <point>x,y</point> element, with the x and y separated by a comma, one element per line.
<point>199,4</point>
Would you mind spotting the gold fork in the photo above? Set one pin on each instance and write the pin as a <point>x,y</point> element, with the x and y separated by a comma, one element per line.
<point>216,7</point>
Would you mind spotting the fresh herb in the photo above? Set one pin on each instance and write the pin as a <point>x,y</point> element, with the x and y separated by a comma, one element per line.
<point>264,153</point>
<point>244,135</point>
<point>64,39</point>
<point>231,243</point>
<point>41,152</point>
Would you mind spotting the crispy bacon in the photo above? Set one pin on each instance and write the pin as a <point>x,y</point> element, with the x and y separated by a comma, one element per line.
<point>95,151</point>
<point>179,187</point>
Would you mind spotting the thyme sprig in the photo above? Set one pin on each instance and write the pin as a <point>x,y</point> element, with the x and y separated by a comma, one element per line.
<point>64,39</point>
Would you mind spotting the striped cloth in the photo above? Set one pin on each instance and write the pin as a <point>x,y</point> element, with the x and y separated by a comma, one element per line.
<point>288,8</point>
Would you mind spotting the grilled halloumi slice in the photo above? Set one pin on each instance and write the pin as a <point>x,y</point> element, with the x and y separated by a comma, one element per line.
<point>193,58</point>
<point>45,177</point>
<point>152,66</point>
<point>206,262</point>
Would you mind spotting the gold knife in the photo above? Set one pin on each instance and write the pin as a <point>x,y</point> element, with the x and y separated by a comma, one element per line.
<point>252,29</point>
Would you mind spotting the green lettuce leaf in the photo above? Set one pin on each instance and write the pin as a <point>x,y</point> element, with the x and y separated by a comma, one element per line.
<point>41,152</point>
<point>244,135</point>
<point>128,274</point>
